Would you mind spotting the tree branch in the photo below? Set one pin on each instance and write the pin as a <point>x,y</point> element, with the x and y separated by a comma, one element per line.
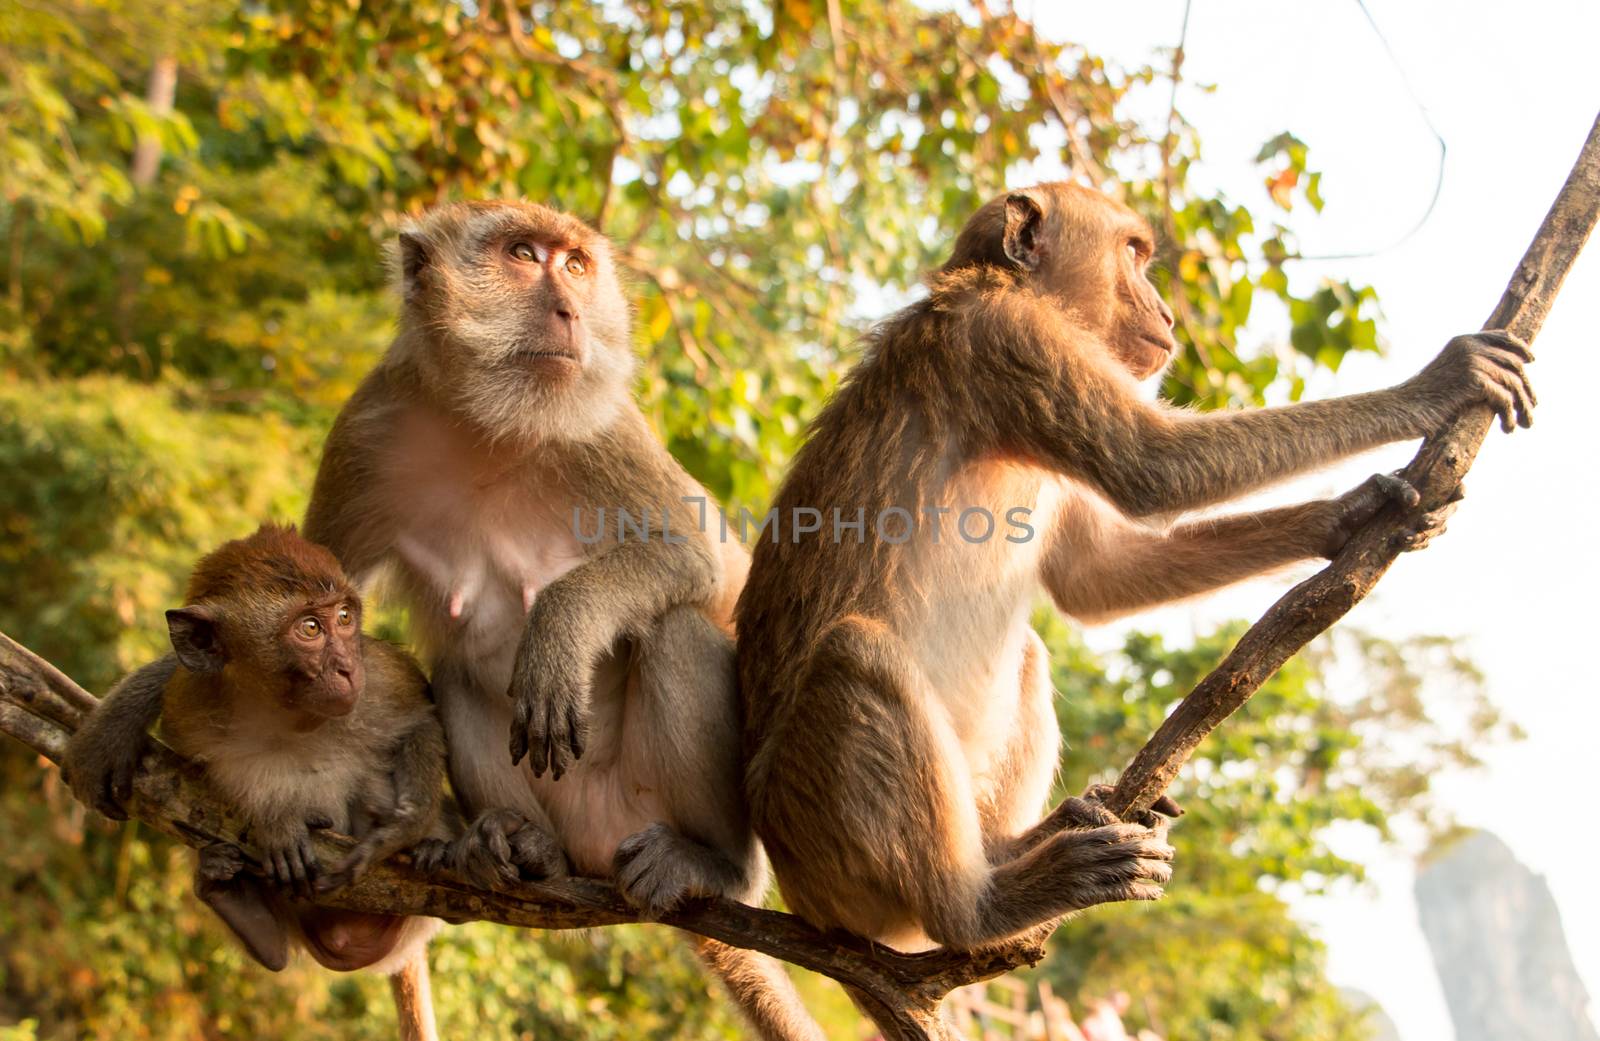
<point>1311,607</point>
<point>40,706</point>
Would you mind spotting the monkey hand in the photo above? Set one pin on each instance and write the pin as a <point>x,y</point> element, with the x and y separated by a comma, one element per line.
<point>221,862</point>
<point>1112,859</point>
<point>1478,369</point>
<point>550,692</point>
<point>287,857</point>
<point>1090,810</point>
<point>499,849</point>
<point>1342,517</point>
<point>100,772</point>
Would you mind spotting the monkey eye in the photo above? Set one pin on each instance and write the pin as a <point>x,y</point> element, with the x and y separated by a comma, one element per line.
<point>522,251</point>
<point>308,628</point>
<point>345,616</point>
<point>575,264</point>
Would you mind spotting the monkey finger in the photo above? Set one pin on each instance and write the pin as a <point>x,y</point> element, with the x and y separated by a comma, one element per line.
<point>1397,489</point>
<point>319,822</point>
<point>122,781</point>
<point>578,728</point>
<point>1167,807</point>
<point>1516,387</point>
<point>1508,340</point>
<point>1501,403</point>
<point>1510,372</point>
<point>108,804</point>
<point>538,742</point>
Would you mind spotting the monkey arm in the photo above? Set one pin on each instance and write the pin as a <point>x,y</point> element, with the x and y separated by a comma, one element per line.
<point>580,617</point>
<point>417,776</point>
<point>103,755</point>
<point>1133,567</point>
<point>1107,566</point>
<point>1086,419</point>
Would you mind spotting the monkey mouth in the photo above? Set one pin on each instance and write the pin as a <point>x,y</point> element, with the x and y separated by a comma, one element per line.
<point>534,356</point>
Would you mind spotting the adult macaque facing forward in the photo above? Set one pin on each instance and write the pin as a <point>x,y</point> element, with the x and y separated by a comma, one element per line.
<point>897,707</point>
<point>497,429</point>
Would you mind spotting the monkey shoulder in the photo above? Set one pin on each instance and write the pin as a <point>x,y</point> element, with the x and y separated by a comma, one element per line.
<point>394,675</point>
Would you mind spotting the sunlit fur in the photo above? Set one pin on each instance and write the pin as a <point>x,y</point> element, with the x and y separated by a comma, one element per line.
<point>899,733</point>
<point>374,771</point>
<point>453,474</point>
<point>467,315</point>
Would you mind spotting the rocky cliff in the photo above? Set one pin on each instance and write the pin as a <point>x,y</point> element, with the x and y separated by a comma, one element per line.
<point>1499,948</point>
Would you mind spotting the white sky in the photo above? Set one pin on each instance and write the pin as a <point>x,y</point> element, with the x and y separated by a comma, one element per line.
<point>1513,87</point>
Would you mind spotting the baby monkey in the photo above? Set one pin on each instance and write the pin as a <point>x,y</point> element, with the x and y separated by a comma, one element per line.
<point>304,724</point>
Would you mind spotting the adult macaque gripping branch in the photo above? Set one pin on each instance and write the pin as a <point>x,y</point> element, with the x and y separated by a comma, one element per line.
<point>41,707</point>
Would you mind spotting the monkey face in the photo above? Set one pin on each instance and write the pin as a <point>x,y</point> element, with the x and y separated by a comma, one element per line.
<point>521,314</point>
<point>1088,253</point>
<point>1141,334</point>
<point>320,646</point>
<point>278,617</point>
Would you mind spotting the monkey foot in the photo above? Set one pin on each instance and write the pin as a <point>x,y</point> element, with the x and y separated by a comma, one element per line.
<point>499,849</point>
<point>657,869</point>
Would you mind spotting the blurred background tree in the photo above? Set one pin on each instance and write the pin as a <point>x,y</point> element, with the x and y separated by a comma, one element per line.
<point>195,199</point>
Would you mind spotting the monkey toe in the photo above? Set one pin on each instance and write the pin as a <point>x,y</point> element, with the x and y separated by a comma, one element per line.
<point>430,856</point>
<point>500,849</point>
<point>293,867</point>
<point>653,873</point>
<point>537,854</point>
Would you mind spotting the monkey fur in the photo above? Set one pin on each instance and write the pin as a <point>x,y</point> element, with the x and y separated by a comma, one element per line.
<point>303,723</point>
<point>453,475</point>
<point>898,725</point>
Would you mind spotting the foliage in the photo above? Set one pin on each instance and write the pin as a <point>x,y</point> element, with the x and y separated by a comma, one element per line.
<point>1221,958</point>
<point>775,173</point>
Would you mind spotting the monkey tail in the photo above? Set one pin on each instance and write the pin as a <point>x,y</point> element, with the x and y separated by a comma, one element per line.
<point>762,990</point>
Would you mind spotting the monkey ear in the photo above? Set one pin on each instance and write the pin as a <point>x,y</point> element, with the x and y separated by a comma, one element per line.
<point>195,639</point>
<point>413,256</point>
<point>1021,240</point>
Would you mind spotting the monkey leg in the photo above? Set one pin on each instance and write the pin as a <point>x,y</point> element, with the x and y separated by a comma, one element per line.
<point>871,817</point>
<point>244,904</point>
<point>680,729</point>
<point>477,717</point>
<point>1012,796</point>
<point>680,738</point>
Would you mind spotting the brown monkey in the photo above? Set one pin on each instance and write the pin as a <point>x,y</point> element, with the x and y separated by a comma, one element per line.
<point>897,706</point>
<point>483,468</point>
<point>304,724</point>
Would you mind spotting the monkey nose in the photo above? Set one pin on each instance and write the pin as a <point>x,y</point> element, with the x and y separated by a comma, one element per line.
<point>346,682</point>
